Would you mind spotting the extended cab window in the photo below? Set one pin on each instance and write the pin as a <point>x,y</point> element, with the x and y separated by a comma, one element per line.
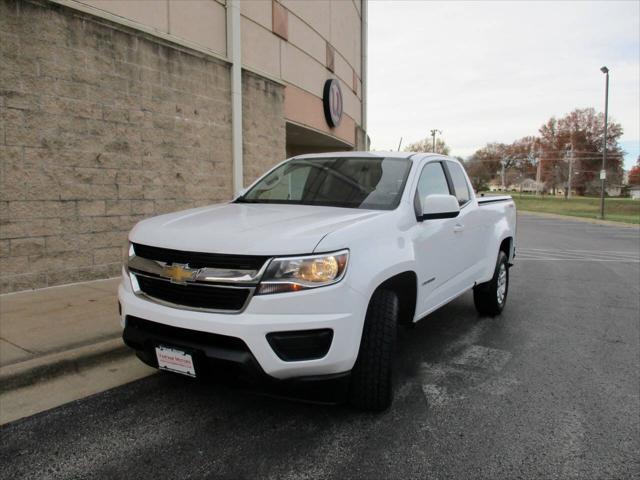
<point>460,184</point>
<point>369,183</point>
<point>432,181</point>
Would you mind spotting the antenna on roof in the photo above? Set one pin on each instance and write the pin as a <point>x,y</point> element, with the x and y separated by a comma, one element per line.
<point>400,144</point>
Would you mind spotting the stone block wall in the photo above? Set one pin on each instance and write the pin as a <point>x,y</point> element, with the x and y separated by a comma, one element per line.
<point>101,126</point>
<point>263,125</point>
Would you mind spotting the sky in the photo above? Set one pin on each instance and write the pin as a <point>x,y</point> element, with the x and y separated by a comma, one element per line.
<point>496,71</point>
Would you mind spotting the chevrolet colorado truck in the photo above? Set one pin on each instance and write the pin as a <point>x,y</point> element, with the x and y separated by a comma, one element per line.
<point>301,282</point>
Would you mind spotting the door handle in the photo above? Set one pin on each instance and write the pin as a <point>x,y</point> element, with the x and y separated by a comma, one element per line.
<point>458,228</point>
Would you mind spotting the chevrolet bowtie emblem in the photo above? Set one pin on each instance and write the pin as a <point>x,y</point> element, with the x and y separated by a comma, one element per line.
<point>178,273</point>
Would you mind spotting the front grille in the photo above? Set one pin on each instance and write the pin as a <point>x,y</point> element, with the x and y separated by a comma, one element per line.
<point>199,259</point>
<point>194,295</point>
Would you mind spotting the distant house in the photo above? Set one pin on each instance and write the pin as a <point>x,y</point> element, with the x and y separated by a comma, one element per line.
<point>495,186</point>
<point>634,192</point>
<point>529,185</point>
<point>614,190</point>
<point>560,191</point>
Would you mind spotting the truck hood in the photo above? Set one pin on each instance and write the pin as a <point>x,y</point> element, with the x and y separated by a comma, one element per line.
<point>250,229</point>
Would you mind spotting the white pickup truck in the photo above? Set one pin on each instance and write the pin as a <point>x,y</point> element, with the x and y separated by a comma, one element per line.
<point>300,283</point>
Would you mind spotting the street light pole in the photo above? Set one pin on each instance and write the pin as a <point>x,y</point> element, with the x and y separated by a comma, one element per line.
<point>603,172</point>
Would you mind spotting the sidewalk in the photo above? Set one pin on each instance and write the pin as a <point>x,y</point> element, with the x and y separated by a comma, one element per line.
<point>45,333</point>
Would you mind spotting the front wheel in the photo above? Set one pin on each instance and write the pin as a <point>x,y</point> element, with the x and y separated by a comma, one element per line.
<point>371,378</point>
<point>491,297</point>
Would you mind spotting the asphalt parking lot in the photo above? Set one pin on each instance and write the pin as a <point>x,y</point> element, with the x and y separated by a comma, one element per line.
<point>549,389</point>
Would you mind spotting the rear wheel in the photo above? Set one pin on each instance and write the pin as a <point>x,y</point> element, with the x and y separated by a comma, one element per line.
<point>371,378</point>
<point>491,297</point>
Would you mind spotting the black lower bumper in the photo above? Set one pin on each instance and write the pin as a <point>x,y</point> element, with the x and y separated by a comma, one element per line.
<point>228,360</point>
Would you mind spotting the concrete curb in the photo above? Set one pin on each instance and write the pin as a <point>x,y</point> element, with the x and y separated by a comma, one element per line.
<point>53,365</point>
<point>594,221</point>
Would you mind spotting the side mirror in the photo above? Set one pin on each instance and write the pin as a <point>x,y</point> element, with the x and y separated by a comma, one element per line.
<point>241,192</point>
<point>439,206</point>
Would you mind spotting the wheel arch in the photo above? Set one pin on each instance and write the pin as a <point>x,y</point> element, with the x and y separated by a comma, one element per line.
<point>506,246</point>
<point>405,286</point>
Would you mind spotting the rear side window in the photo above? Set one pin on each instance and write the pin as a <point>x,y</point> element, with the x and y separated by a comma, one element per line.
<point>460,184</point>
<point>432,181</point>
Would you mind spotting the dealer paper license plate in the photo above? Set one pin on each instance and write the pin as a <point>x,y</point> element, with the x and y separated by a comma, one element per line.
<point>175,361</point>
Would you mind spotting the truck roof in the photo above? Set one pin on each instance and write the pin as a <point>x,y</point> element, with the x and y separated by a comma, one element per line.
<point>361,154</point>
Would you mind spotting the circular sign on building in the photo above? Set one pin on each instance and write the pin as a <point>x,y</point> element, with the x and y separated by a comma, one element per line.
<point>332,101</point>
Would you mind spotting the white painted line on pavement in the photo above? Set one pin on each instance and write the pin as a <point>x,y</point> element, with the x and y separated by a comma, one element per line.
<point>577,260</point>
<point>438,396</point>
<point>483,357</point>
<point>582,255</point>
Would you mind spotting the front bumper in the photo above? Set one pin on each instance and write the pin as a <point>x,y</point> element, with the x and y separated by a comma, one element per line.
<point>228,359</point>
<point>337,307</point>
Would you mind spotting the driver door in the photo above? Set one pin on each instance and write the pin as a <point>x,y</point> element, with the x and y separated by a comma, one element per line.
<point>434,243</point>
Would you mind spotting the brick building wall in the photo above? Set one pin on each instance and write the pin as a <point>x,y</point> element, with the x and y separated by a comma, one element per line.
<point>264,132</point>
<point>101,126</point>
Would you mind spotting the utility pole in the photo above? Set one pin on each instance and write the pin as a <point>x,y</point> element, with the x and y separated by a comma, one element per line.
<point>603,172</point>
<point>400,144</point>
<point>570,173</point>
<point>433,136</point>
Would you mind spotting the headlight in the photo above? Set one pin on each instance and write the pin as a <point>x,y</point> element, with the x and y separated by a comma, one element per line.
<point>290,274</point>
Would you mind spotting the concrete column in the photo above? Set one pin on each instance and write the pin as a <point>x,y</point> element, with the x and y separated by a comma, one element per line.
<point>234,55</point>
<point>363,67</point>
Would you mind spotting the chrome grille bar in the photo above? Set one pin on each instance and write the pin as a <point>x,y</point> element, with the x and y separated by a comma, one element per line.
<point>201,275</point>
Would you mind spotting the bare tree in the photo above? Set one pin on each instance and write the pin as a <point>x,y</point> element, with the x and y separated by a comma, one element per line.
<point>426,145</point>
<point>576,139</point>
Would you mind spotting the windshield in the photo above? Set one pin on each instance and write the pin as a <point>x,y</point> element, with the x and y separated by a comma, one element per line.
<point>368,183</point>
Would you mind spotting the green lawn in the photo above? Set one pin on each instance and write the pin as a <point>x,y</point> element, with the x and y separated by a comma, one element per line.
<point>616,209</point>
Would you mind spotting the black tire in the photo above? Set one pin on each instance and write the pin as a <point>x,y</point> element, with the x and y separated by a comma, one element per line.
<point>485,295</point>
<point>371,385</point>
